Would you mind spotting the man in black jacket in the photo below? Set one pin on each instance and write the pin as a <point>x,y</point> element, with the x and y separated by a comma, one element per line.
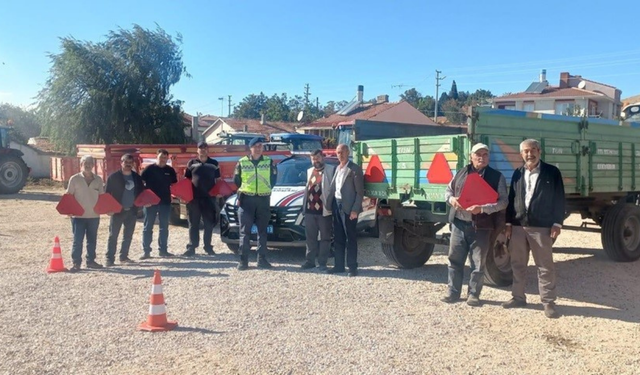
<point>534,219</point>
<point>124,185</point>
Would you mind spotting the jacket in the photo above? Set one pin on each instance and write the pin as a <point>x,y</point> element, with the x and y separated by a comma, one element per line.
<point>352,189</point>
<point>115,185</point>
<point>327,197</point>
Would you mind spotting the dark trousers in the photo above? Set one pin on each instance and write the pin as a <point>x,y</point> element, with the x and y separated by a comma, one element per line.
<point>466,241</point>
<point>128,220</point>
<point>205,209</point>
<point>81,228</point>
<point>162,212</point>
<point>318,230</point>
<point>254,210</point>
<point>345,237</point>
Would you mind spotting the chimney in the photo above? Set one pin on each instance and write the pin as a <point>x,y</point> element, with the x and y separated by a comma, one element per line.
<point>360,93</point>
<point>245,128</point>
<point>564,80</point>
<point>543,75</point>
<point>195,132</point>
<point>382,99</point>
<point>262,119</point>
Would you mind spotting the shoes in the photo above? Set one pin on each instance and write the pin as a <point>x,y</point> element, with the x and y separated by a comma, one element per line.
<point>92,264</point>
<point>353,272</point>
<point>189,253</point>
<point>165,254</point>
<point>145,256</point>
<point>334,270</point>
<point>307,265</point>
<point>550,310</point>
<point>473,301</point>
<point>512,303</point>
<point>126,260</point>
<point>264,263</point>
<point>322,268</point>
<point>210,252</point>
<point>75,267</point>
<point>243,264</point>
<point>109,263</point>
<point>450,298</point>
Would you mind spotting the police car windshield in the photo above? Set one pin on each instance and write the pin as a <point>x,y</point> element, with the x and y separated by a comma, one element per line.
<point>293,172</point>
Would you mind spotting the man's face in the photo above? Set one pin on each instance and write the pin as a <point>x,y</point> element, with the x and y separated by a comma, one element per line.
<point>87,165</point>
<point>127,165</point>
<point>530,154</point>
<point>203,152</point>
<point>256,150</point>
<point>162,159</point>
<point>480,158</point>
<point>343,154</point>
<point>317,161</point>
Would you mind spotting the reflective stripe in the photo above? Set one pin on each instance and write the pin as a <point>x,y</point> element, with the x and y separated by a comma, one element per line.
<point>157,309</point>
<point>56,256</point>
<point>256,179</point>
<point>156,289</point>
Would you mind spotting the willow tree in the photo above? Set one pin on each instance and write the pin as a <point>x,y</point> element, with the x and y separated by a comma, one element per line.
<point>115,91</point>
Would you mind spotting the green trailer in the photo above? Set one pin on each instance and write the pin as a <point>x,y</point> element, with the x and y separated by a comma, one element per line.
<point>599,161</point>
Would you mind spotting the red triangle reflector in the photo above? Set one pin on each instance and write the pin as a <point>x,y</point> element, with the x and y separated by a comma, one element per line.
<point>221,188</point>
<point>439,172</point>
<point>107,204</point>
<point>183,189</point>
<point>68,205</point>
<point>476,191</point>
<point>147,197</point>
<point>374,172</point>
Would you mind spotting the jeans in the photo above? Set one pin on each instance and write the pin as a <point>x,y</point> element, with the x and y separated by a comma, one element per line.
<point>162,211</point>
<point>466,241</point>
<point>345,236</point>
<point>128,220</point>
<point>81,228</point>
<point>254,210</point>
<point>205,209</point>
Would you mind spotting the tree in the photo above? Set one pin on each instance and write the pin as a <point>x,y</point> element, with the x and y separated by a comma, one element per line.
<point>413,97</point>
<point>453,112</point>
<point>276,108</point>
<point>24,123</point>
<point>453,93</point>
<point>116,91</point>
<point>252,106</point>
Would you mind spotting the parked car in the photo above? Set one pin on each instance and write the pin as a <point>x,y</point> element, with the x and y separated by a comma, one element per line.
<point>286,227</point>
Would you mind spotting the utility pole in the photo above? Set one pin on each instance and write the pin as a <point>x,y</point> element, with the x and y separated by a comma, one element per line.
<point>229,113</point>
<point>221,99</point>
<point>306,96</point>
<point>438,79</point>
<point>318,104</point>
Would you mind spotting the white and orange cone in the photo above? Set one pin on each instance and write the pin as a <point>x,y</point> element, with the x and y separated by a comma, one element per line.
<point>157,318</point>
<point>56,264</point>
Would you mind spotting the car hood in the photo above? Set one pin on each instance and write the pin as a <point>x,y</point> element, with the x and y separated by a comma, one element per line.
<point>281,196</point>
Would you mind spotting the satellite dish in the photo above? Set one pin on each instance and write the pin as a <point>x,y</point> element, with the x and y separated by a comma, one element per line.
<point>582,84</point>
<point>300,115</point>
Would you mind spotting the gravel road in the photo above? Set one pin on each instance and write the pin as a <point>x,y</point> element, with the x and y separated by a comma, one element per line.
<point>286,321</point>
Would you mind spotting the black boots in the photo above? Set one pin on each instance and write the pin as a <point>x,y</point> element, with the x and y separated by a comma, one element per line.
<point>243,264</point>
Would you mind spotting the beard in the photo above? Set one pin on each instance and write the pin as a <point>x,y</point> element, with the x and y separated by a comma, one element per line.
<point>318,165</point>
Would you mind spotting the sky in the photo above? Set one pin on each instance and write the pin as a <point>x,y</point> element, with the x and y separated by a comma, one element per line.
<point>246,47</point>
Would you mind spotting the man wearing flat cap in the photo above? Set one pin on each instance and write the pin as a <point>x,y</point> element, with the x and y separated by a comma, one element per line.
<point>472,228</point>
<point>255,175</point>
<point>203,172</point>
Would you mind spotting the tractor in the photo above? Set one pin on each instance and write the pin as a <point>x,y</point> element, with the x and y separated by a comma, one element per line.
<point>13,170</point>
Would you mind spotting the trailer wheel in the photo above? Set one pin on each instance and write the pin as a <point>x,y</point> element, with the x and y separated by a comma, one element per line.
<point>621,233</point>
<point>174,216</point>
<point>13,174</point>
<point>408,249</point>
<point>498,263</point>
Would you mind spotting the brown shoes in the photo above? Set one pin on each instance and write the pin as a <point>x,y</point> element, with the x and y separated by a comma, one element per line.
<point>550,310</point>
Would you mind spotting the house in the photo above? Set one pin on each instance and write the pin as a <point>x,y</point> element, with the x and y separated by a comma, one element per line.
<point>380,110</point>
<point>37,154</point>
<point>574,95</point>
<point>234,125</point>
<point>204,121</point>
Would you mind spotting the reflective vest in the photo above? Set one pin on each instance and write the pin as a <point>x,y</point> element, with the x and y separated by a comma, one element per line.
<point>256,179</point>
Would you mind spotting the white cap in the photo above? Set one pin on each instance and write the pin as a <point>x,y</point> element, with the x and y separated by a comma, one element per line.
<point>479,146</point>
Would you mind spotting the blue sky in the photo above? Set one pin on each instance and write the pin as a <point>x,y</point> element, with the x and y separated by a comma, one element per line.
<point>242,47</point>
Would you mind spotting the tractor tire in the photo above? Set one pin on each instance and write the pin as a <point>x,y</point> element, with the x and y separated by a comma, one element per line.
<point>174,216</point>
<point>408,250</point>
<point>621,233</point>
<point>13,174</point>
<point>498,263</point>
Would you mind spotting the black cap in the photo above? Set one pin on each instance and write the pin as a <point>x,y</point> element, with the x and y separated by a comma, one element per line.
<point>254,141</point>
<point>202,144</point>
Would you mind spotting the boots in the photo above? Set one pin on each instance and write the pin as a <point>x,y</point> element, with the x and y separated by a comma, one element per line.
<point>263,262</point>
<point>243,264</point>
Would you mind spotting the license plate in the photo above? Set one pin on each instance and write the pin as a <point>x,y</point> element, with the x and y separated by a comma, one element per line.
<point>254,229</point>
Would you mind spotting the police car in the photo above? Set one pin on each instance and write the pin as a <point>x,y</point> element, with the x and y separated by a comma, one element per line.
<point>286,226</point>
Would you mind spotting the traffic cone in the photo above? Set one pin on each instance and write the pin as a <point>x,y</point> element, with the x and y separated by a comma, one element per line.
<point>157,318</point>
<point>56,264</point>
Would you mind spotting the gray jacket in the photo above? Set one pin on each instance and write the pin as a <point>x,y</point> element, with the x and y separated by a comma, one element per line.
<point>327,197</point>
<point>352,189</point>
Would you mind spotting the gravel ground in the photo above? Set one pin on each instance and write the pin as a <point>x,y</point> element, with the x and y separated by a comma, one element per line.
<point>284,321</point>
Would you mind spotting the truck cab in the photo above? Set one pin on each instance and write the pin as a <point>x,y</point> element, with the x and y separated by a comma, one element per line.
<point>238,139</point>
<point>295,142</point>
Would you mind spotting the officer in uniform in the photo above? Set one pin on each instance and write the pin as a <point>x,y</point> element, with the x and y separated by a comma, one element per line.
<point>255,175</point>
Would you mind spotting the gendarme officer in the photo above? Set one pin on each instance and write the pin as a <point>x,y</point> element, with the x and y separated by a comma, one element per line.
<point>255,176</point>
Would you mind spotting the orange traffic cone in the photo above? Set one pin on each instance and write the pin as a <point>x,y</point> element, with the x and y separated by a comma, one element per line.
<point>56,264</point>
<point>157,318</point>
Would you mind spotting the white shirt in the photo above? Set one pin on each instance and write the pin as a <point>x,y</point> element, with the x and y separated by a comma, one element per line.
<point>530,180</point>
<point>341,175</point>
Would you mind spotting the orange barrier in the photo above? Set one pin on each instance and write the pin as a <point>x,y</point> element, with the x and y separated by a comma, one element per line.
<point>157,318</point>
<point>56,264</point>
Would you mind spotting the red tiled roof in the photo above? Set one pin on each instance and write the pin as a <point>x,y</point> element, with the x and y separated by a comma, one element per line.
<point>550,92</point>
<point>365,112</point>
<point>254,126</point>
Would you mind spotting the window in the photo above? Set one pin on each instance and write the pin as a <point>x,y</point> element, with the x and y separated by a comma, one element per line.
<point>564,107</point>
<point>528,106</point>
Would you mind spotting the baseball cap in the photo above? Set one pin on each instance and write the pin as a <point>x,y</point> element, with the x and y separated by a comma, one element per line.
<point>202,144</point>
<point>479,146</point>
<point>254,141</point>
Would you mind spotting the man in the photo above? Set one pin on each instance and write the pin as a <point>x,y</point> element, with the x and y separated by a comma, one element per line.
<point>158,177</point>
<point>534,220</point>
<point>347,188</point>
<point>85,188</point>
<point>203,171</point>
<point>124,185</point>
<point>471,228</point>
<point>255,175</point>
<point>316,206</point>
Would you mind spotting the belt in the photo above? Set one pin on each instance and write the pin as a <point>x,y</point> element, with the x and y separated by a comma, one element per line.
<point>463,222</point>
